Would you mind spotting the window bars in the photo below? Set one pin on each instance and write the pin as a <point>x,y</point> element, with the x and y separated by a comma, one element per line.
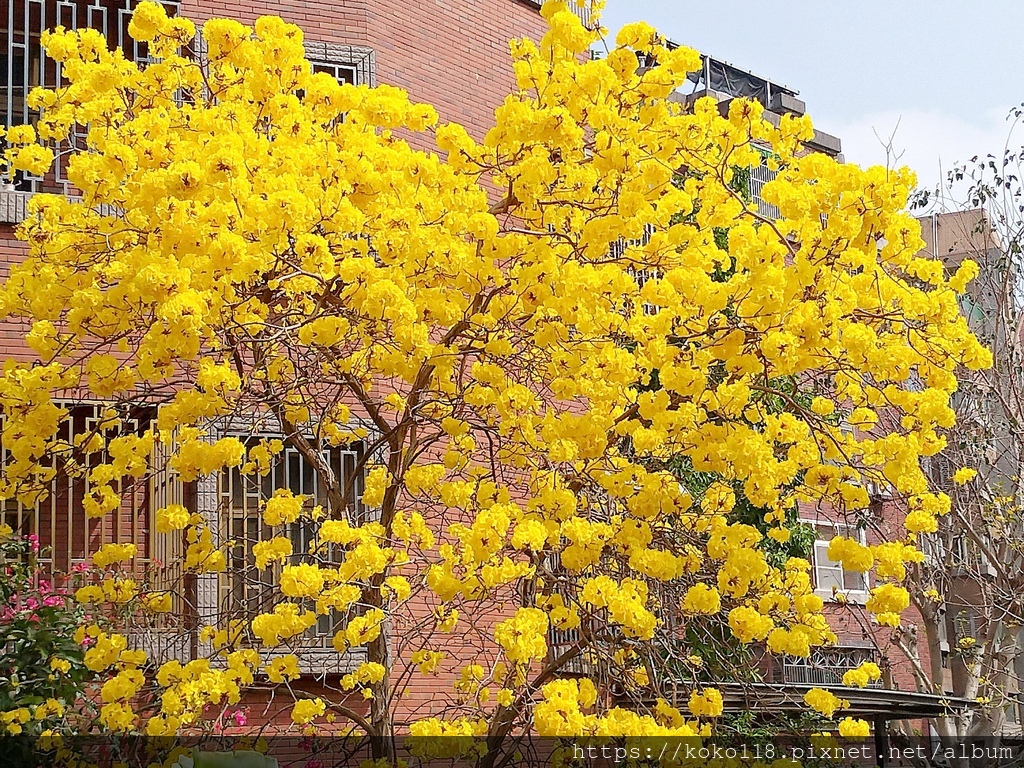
<point>759,176</point>
<point>24,65</point>
<point>826,666</point>
<point>67,537</point>
<point>245,591</point>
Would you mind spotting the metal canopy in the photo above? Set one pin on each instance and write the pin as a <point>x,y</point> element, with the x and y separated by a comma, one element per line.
<point>868,703</point>
<point>719,75</point>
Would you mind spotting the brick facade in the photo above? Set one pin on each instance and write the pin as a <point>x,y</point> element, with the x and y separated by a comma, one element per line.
<point>452,54</point>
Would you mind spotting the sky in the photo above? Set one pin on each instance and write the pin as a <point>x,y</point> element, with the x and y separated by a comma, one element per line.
<point>938,78</point>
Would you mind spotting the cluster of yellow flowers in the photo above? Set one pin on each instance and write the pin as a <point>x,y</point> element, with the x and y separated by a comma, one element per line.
<point>706,703</point>
<point>190,688</point>
<point>825,702</point>
<point>274,248</point>
<point>523,637</point>
<point>110,554</point>
<point>854,728</point>
<point>116,591</point>
<point>564,705</point>
<point>307,710</point>
<point>861,676</point>
<point>12,721</point>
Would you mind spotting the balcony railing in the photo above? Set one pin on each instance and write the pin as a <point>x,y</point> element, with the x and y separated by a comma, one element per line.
<point>825,666</point>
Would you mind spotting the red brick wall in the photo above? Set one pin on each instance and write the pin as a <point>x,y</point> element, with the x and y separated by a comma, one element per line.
<point>12,334</point>
<point>332,22</point>
<point>853,624</point>
<point>452,54</point>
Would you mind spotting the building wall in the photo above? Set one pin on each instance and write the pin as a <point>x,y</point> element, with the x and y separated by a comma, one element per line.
<point>852,623</point>
<point>452,54</point>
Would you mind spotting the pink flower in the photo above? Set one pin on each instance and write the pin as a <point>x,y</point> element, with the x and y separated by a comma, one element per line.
<point>80,567</point>
<point>33,541</point>
<point>53,601</point>
<point>239,717</point>
<point>87,641</point>
<point>32,603</point>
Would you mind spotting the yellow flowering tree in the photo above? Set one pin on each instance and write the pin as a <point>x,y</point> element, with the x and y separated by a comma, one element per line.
<point>512,337</point>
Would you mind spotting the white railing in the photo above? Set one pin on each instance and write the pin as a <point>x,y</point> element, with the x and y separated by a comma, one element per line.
<point>759,176</point>
<point>826,666</point>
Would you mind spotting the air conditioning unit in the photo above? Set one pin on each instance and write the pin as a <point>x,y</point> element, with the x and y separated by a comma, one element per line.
<point>986,568</point>
<point>880,491</point>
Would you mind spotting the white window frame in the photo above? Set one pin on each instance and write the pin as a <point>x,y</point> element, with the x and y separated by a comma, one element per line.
<point>359,60</point>
<point>825,531</point>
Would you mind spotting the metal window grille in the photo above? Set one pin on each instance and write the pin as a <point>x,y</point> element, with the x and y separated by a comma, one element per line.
<point>617,250</point>
<point>642,276</point>
<point>246,591</point>
<point>620,248</point>
<point>826,666</point>
<point>66,536</point>
<point>583,9</point>
<point>759,176</point>
<point>597,624</point>
<point>24,65</point>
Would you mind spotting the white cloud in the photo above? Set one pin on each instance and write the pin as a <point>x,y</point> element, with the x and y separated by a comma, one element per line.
<point>927,141</point>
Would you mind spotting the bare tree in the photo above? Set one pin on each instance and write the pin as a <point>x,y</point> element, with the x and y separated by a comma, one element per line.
<point>969,589</point>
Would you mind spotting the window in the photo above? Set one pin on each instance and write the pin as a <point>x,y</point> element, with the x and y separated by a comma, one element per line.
<point>23,65</point>
<point>245,591</point>
<point>759,176</point>
<point>582,8</point>
<point>343,73</point>
<point>944,548</point>
<point>345,63</point>
<point>620,250</point>
<point>67,537</point>
<point>966,626</point>
<point>829,576</point>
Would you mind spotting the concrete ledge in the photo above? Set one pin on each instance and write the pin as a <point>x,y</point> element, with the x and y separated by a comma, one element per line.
<point>13,206</point>
<point>825,142</point>
<point>820,142</point>
<point>787,103</point>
